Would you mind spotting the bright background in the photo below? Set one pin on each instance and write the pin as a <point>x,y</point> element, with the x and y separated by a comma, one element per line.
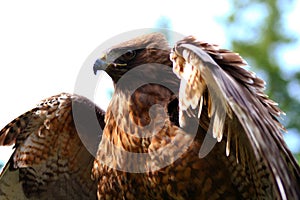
<point>43,44</point>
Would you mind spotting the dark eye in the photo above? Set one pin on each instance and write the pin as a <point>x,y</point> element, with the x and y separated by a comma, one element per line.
<point>129,55</point>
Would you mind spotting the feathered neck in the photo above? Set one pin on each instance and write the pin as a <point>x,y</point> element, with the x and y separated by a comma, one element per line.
<point>139,107</point>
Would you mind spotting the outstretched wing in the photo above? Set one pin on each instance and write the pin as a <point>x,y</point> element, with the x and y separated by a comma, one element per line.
<point>50,161</point>
<point>238,111</point>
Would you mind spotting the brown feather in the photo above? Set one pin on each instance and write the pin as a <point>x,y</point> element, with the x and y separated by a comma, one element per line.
<point>50,160</point>
<point>241,91</point>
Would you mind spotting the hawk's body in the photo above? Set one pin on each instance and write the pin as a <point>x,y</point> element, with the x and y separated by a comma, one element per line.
<point>249,161</point>
<point>180,180</point>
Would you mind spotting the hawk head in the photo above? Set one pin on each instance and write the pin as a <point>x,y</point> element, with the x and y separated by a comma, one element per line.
<point>146,49</point>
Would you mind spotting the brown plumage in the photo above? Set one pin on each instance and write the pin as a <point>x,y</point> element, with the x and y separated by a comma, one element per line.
<point>250,159</point>
<point>50,160</point>
<point>149,149</point>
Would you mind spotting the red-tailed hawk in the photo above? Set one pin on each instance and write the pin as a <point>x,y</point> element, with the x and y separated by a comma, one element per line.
<point>149,148</point>
<point>238,151</point>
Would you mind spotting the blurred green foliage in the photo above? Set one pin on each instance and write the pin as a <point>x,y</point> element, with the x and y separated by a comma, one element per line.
<point>298,157</point>
<point>259,42</point>
<point>257,30</point>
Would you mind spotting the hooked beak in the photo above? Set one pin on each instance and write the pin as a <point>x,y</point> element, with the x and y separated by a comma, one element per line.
<point>101,64</point>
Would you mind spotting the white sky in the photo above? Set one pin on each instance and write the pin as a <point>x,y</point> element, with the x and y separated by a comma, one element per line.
<point>43,44</point>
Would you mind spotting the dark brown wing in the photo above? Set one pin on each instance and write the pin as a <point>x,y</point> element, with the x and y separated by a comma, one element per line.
<point>239,112</point>
<point>50,161</point>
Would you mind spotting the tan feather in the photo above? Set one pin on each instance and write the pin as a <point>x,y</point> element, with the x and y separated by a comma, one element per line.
<point>228,141</point>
